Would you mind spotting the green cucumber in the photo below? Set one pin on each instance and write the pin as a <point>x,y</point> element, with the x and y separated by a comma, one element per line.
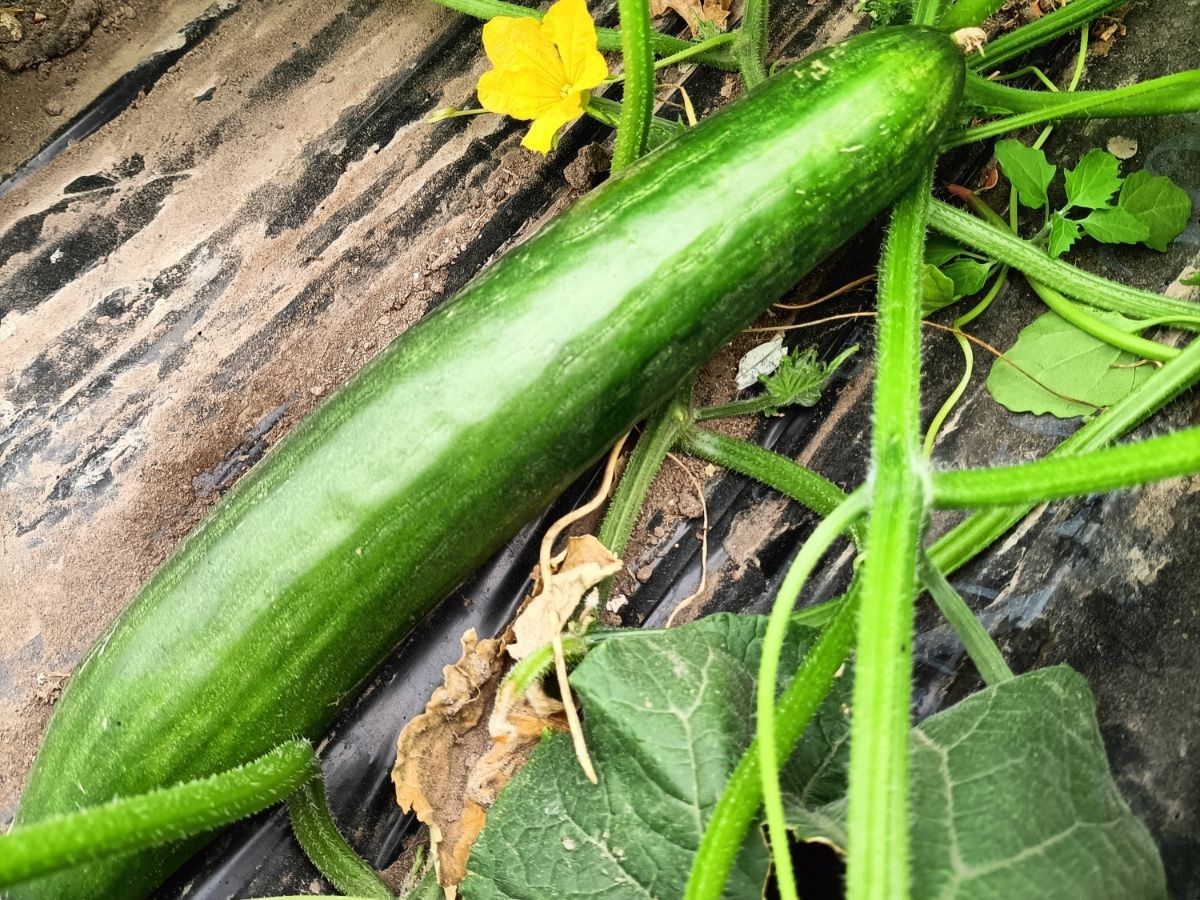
<point>313,568</point>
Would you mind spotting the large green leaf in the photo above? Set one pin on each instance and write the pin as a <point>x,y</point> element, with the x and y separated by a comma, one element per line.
<point>1072,365</point>
<point>667,716</point>
<point>1011,797</point>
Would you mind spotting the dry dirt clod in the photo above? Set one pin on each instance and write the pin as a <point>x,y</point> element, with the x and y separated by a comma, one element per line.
<point>53,108</point>
<point>10,28</point>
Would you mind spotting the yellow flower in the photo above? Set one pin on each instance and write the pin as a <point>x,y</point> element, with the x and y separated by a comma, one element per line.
<point>542,71</point>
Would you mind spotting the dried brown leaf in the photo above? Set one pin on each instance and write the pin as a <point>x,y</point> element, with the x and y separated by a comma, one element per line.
<point>693,11</point>
<point>585,564</point>
<point>453,759</point>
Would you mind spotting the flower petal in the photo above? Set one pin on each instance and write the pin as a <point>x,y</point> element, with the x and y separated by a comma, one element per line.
<point>541,134</point>
<point>520,93</point>
<point>569,27</point>
<point>518,44</point>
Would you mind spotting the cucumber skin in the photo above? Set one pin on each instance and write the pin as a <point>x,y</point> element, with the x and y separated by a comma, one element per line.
<point>312,569</point>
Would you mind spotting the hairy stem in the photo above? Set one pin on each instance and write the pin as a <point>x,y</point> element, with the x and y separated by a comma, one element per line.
<point>1003,245</point>
<point>637,104</point>
<point>1168,95</point>
<point>877,819</point>
<point>1109,469</point>
<point>325,846</point>
<point>823,536</point>
<point>156,818</point>
<point>1049,27</point>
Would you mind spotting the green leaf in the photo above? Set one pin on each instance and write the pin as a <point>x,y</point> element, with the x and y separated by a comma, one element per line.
<point>666,717</point>
<point>1115,226</point>
<point>800,378</point>
<point>1011,797</point>
<point>1158,202</point>
<point>968,275</point>
<point>1192,280</point>
<point>940,249</point>
<point>937,288</point>
<point>1092,183</point>
<point>1027,169</point>
<point>1063,233</point>
<point>1069,362</point>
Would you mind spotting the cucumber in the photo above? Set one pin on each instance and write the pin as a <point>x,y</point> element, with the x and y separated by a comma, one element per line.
<point>313,568</point>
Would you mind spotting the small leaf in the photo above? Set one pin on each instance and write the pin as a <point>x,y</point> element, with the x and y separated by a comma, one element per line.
<point>1069,362</point>
<point>1158,202</point>
<point>968,275</point>
<point>800,377</point>
<point>1063,233</point>
<point>937,288</point>
<point>1192,280</point>
<point>1092,183</point>
<point>1027,169</point>
<point>940,249</point>
<point>1115,226</point>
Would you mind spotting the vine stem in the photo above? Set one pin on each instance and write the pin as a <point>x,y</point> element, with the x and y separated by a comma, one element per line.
<point>939,418</point>
<point>826,532</point>
<point>1003,245</point>
<point>1168,95</point>
<point>736,808</point>
<point>662,430</point>
<point>289,772</point>
<point>1069,310</point>
<point>324,844</point>
<point>822,496</point>
<point>1110,469</point>
<point>637,104</point>
<point>1049,27</point>
<point>751,50</point>
<point>877,818</point>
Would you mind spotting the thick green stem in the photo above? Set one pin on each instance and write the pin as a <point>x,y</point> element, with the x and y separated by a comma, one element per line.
<point>823,536</point>
<point>1054,25</point>
<point>751,49</point>
<point>877,819</point>
<point>789,478</point>
<point>1003,245</point>
<point>964,541</point>
<point>662,430</point>
<point>325,846</point>
<point>151,820</point>
<point>637,104</point>
<point>822,497</point>
<point>607,38</point>
<point>1110,469</point>
<point>1168,95</point>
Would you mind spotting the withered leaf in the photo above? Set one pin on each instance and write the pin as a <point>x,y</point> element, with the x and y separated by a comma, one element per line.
<point>692,12</point>
<point>585,564</point>
<point>454,758</point>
